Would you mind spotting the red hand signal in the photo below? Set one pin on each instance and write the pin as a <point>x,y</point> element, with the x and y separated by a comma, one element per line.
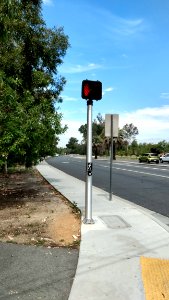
<point>86,90</point>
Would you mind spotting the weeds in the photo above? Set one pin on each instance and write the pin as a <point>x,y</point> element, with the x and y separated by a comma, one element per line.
<point>75,208</point>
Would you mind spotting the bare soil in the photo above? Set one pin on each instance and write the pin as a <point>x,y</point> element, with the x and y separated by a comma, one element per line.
<point>33,212</point>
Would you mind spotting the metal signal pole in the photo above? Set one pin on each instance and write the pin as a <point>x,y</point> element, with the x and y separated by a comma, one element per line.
<point>88,191</point>
<point>111,158</point>
<point>91,90</point>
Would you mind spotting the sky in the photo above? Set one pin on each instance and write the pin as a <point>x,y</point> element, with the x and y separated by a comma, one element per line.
<point>125,45</point>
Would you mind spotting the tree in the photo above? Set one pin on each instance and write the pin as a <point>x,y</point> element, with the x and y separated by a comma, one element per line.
<point>97,129</point>
<point>163,146</point>
<point>30,85</point>
<point>134,147</point>
<point>97,133</point>
<point>128,133</point>
<point>83,130</point>
<point>72,145</point>
<point>10,120</point>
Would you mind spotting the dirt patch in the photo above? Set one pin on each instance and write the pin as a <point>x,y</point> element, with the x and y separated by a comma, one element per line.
<point>33,212</point>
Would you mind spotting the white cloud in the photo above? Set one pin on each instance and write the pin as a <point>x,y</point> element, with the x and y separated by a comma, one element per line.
<point>47,2</point>
<point>72,131</point>
<point>109,89</point>
<point>124,55</point>
<point>164,95</point>
<point>152,123</point>
<point>123,27</point>
<point>67,98</point>
<point>80,68</point>
<point>162,111</point>
<point>128,27</point>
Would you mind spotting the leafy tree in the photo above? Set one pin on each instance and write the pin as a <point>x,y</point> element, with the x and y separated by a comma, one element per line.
<point>134,147</point>
<point>72,145</point>
<point>97,133</point>
<point>101,144</point>
<point>163,147</point>
<point>97,129</point>
<point>83,130</point>
<point>128,133</point>
<point>30,85</point>
<point>11,119</point>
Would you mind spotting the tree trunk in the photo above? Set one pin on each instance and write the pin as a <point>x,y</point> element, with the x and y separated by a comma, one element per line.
<point>5,168</point>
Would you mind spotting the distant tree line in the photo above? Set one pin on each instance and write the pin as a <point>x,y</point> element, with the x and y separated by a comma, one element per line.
<point>124,145</point>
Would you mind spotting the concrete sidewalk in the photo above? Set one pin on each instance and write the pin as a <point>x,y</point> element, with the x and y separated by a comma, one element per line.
<point>109,261</point>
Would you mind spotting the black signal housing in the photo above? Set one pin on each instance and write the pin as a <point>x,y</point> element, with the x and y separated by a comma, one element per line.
<point>91,90</point>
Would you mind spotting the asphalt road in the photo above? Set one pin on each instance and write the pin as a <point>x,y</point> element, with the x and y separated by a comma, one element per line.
<point>144,184</point>
<point>31,273</point>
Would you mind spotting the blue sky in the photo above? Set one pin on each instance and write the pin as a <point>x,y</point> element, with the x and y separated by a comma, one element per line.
<point>125,45</point>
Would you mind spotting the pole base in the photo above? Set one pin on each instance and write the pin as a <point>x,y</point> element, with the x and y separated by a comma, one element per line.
<point>88,221</point>
<point>110,197</point>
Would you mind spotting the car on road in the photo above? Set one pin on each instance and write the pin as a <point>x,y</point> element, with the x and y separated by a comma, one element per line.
<point>149,157</point>
<point>164,158</point>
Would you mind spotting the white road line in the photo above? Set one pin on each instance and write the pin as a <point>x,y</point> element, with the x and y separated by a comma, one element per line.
<point>140,165</point>
<point>144,167</point>
<point>135,165</point>
<point>134,171</point>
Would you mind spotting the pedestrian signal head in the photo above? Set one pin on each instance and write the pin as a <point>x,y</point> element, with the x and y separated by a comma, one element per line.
<point>91,90</point>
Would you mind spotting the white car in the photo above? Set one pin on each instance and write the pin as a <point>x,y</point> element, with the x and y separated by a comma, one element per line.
<point>165,158</point>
